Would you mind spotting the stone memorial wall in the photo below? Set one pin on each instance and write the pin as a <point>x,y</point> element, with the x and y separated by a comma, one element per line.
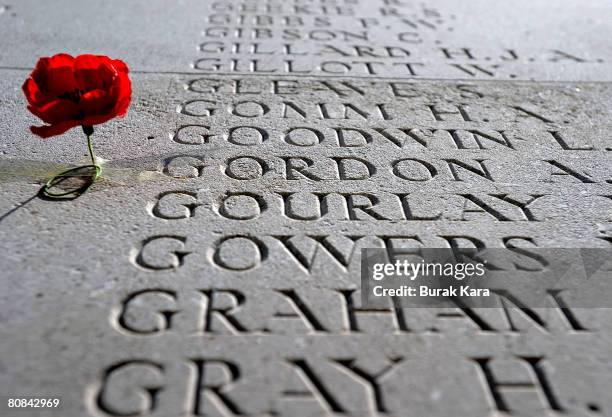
<point>214,269</point>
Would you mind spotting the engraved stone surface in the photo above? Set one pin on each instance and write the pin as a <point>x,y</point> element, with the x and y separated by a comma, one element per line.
<point>214,268</point>
<point>524,39</point>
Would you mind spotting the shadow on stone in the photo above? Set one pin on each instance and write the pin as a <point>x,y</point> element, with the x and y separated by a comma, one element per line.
<point>17,207</point>
<point>70,184</point>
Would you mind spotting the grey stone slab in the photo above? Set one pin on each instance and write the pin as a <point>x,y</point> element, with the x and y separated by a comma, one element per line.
<point>185,225</point>
<point>564,40</point>
<point>214,268</point>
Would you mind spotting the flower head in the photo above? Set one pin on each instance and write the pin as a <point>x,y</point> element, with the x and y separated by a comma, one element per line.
<point>65,91</point>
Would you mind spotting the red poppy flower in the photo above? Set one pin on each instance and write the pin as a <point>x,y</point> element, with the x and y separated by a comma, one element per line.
<point>64,92</point>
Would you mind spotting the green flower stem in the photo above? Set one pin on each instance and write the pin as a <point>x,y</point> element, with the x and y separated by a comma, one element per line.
<point>97,167</point>
<point>73,172</point>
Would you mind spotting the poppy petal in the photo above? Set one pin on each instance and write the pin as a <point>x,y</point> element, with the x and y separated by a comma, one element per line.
<point>123,89</point>
<point>120,66</point>
<point>54,75</point>
<point>53,130</point>
<point>93,72</point>
<point>46,63</point>
<point>95,102</point>
<point>90,62</point>
<point>33,94</point>
<point>60,60</point>
<point>57,111</point>
<point>97,119</point>
<point>60,80</point>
